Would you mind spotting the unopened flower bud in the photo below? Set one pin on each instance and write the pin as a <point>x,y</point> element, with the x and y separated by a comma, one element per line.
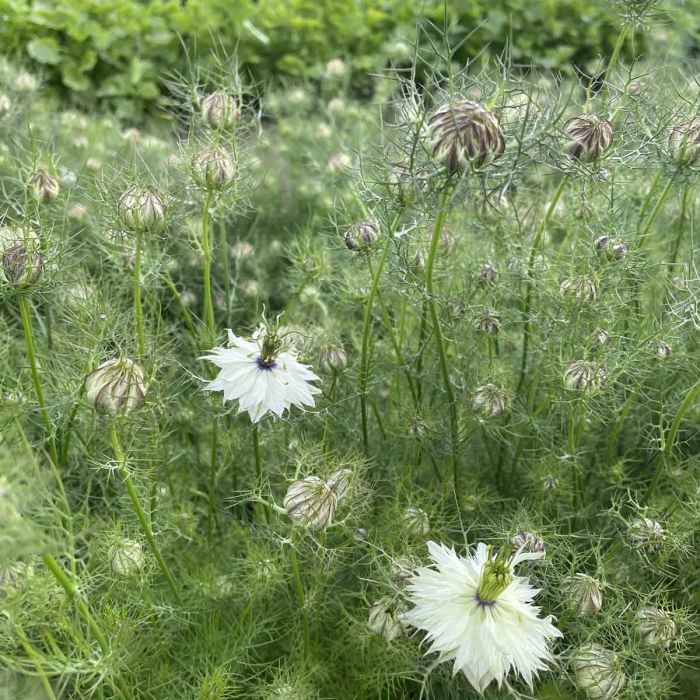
<point>385,619</point>
<point>456,308</point>
<point>362,235</point>
<point>656,627</point>
<point>489,400</point>
<point>602,242</point>
<point>590,137</point>
<point>646,534</point>
<point>584,375</point>
<point>635,87</point>
<point>663,350</point>
<point>549,483</point>
<point>44,185</point>
<point>598,672</point>
<point>22,260</point>
<point>131,135</point>
<point>220,110</point>
<point>416,521</point>
<point>529,543</point>
<point>141,209</point>
<point>684,142</point>
<point>618,250</point>
<point>214,168</point>
<point>77,212</point>
<point>489,274</point>
<point>580,288</point>
<point>487,322</point>
<point>126,558</point>
<point>116,387</point>
<point>361,535</point>
<point>585,596</point>
<point>339,482</point>
<point>332,359</point>
<point>311,503</point>
<point>403,568</point>
<point>417,428</point>
<point>602,337</point>
<point>465,135</point>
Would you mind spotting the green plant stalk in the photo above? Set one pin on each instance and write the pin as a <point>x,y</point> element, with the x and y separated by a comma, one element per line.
<point>206,247</point>
<point>614,58</point>
<point>258,465</point>
<point>654,213</point>
<point>138,306</point>
<point>681,222</point>
<point>366,328</point>
<point>299,586</point>
<point>223,242</point>
<point>439,340</point>
<point>185,312</point>
<point>72,592</point>
<point>211,513</point>
<point>35,657</point>
<point>660,457</point>
<point>527,328</point>
<point>143,520</point>
<point>25,315</point>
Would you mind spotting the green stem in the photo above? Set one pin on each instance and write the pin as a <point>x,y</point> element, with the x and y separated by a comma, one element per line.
<point>654,213</point>
<point>25,315</point>
<point>223,242</point>
<point>527,328</point>
<point>35,657</point>
<point>301,598</point>
<point>670,440</point>
<point>138,307</point>
<point>185,312</point>
<point>437,330</point>
<point>143,520</point>
<point>366,328</point>
<point>615,55</point>
<point>681,223</point>
<point>73,594</point>
<point>206,247</point>
<point>211,515</point>
<point>258,465</point>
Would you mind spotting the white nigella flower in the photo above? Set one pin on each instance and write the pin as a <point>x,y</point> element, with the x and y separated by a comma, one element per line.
<point>479,614</point>
<point>261,376</point>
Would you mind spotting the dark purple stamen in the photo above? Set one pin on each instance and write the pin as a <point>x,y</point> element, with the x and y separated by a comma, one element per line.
<point>267,366</point>
<point>484,603</point>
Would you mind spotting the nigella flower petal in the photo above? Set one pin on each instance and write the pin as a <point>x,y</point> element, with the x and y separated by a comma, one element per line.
<point>484,641</point>
<point>260,387</point>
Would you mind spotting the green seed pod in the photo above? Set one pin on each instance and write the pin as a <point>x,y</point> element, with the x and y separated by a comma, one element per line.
<point>214,168</point>
<point>684,142</point>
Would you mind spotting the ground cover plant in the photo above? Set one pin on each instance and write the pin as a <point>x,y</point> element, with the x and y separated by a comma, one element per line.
<point>309,396</point>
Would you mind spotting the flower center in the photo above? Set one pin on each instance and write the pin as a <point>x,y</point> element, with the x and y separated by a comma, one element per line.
<point>495,578</point>
<point>266,364</point>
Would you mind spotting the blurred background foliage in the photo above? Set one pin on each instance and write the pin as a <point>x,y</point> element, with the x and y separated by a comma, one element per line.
<point>116,52</point>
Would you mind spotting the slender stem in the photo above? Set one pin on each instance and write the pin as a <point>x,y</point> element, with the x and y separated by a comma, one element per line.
<point>138,307</point>
<point>72,592</point>
<point>681,225</point>
<point>25,315</point>
<point>206,247</point>
<point>223,242</point>
<point>670,440</point>
<point>301,597</point>
<point>366,328</point>
<point>615,55</point>
<point>527,328</point>
<point>145,524</point>
<point>211,514</point>
<point>35,657</point>
<point>437,331</point>
<point>258,465</point>
<point>185,312</point>
<point>654,213</point>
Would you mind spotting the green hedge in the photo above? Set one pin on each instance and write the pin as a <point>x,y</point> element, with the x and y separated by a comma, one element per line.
<point>119,49</point>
